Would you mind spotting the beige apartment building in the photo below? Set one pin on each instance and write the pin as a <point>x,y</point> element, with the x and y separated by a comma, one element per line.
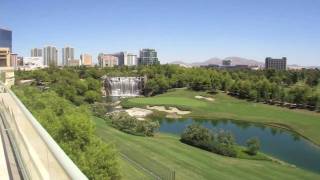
<point>86,59</point>
<point>73,62</point>
<point>5,57</point>
<point>108,60</point>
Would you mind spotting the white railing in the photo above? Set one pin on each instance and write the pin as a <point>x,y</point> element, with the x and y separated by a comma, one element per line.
<point>41,156</point>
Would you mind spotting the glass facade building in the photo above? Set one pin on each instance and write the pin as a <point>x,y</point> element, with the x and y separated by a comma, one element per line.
<point>6,39</point>
<point>277,64</point>
<point>148,57</point>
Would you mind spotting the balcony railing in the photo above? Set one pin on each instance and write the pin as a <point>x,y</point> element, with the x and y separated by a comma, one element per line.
<point>37,154</point>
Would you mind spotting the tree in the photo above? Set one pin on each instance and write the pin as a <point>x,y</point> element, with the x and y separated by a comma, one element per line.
<point>131,125</point>
<point>72,128</point>
<point>200,82</point>
<point>299,93</point>
<point>151,87</point>
<point>92,96</point>
<point>93,84</point>
<point>253,146</point>
<point>40,76</point>
<point>198,136</point>
<point>225,144</point>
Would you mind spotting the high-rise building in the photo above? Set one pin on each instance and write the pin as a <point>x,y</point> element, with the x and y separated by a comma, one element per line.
<point>226,62</point>
<point>126,59</point>
<point>131,60</point>
<point>6,39</point>
<point>67,55</point>
<point>122,56</point>
<point>148,57</point>
<point>107,60</point>
<point>4,57</point>
<point>36,52</point>
<point>50,56</point>
<point>86,60</point>
<point>277,64</point>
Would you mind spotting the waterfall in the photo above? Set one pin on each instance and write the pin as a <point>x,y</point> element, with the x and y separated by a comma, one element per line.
<point>123,86</point>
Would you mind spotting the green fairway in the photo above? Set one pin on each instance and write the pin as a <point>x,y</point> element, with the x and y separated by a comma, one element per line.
<point>189,162</point>
<point>128,171</point>
<point>304,122</point>
<point>170,101</point>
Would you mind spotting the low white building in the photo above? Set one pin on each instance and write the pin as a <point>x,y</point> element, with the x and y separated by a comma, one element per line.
<point>30,63</point>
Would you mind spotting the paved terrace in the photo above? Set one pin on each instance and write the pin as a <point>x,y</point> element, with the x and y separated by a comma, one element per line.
<point>27,151</point>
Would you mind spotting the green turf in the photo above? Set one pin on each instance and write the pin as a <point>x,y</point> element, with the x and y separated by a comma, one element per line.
<point>129,171</point>
<point>193,163</point>
<point>304,122</point>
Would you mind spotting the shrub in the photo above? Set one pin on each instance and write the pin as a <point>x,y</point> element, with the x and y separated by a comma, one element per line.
<point>100,109</point>
<point>253,146</point>
<point>225,144</point>
<point>221,143</point>
<point>198,136</point>
<point>131,125</point>
<point>92,96</point>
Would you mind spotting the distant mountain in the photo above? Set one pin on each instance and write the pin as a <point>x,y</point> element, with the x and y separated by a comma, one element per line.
<point>244,61</point>
<point>207,62</point>
<point>218,61</point>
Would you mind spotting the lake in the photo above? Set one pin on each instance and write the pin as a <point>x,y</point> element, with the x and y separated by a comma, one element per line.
<point>282,144</point>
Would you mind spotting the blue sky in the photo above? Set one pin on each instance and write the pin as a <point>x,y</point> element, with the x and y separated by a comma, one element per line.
<point>188,30</point>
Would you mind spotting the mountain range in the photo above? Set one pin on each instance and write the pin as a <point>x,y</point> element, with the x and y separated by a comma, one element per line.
<point>218,61</point>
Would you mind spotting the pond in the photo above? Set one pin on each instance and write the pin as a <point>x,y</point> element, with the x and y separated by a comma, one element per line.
<point>281,144</point>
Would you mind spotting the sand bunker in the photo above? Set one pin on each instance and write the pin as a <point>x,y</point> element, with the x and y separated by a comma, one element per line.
<point>206,98</point>
<point>139,113</point>
<point>171,110</point>
<point>118,107</point>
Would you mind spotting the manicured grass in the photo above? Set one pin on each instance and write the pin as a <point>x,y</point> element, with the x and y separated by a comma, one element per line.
<point>128,171</point>
<point>193,163</point>
<point>304,122</point>
<point>169,101</point>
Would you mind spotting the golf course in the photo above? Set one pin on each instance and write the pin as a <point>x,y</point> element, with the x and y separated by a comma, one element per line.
<point>223,106</point>
<point>165,153</point>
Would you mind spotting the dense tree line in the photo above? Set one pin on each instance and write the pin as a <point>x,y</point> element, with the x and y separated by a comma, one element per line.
<point>73,84</point>
<point>73,130</point>
<point>293,88</point>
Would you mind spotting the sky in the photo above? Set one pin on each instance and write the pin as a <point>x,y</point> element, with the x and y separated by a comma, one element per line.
<point>186,30</point>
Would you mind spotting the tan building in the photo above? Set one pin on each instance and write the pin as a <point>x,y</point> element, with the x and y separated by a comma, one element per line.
<point>108,60</point>
<point>73,62</point>
<point>14,60</point>
<point>5,57</point>
<point>7,76</point>
<point>86,60</point>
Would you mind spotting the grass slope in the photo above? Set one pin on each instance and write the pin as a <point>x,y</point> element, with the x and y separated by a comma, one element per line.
<point>193,163</point>
<point>128,171</point>
<point>304,122</point>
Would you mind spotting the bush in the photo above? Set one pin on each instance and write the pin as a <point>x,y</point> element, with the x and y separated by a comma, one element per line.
<point>221,143</point>
<point>100,109</point>
<point>225,144</point>
<point>131,125</point>
<point>198,136</point>
<point>92,96</point>
<point>253,146</point>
